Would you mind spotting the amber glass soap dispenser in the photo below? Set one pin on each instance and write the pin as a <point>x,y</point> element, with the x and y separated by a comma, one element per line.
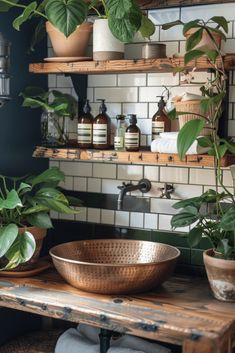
<point>101,128</point>
<point>132,135</point>
<point>85,127</point>
<point>160,120</point>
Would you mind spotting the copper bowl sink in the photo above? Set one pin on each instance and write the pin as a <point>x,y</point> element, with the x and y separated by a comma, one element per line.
<point>114,266</point>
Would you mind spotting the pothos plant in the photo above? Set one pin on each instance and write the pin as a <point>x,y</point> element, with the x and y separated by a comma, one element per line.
<point>125,16</point>
<point>26,202</point>
<point>213,213</point>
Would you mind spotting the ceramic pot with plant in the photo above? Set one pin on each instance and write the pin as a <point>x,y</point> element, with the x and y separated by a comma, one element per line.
<point>117,24</point>
<point>25,204</point>
<point>65,23</point>
<point>58,109</point>
<point>212,214</point>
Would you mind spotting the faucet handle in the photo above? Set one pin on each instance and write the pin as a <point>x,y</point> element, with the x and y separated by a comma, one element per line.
<point>124,185</point>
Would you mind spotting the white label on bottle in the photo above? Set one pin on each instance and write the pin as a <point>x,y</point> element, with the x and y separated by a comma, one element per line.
<point>157,127</point>
<point>132,139</point>
<point>100,134</point>
<point>84,133</point>
<point>118,142</point>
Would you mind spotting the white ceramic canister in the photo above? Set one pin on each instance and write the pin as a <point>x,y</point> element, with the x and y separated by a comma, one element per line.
<point>105,45</point>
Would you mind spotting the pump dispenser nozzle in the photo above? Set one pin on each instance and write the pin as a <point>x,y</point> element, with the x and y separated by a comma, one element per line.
<point>103,107</point>
<point>87,107</point>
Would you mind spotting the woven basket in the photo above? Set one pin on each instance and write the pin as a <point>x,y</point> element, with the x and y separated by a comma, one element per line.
<point>34,342</point>
<point>193,107</point>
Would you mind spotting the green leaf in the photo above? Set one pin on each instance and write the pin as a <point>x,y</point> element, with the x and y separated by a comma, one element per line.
<point>195,236</point>
<point>212,55</point>
<point>125,28</point>
<point>25,15</point>
<point>194,39</point>
<point>50,193</point>
<point>171,24</point>
<point>24,187</point>
<point>228,219</point>
<point>193,201</point>
<point>8,235</point>
<point>34,92</point>
<point>21,251</point>
<point>225,248</point>
<point>147,27</point>
<point>66,15</point>
<point>40,219</point>
<point>38,35</point>
<point>221,21</point>
<point>35,209</point>
<point>187,216</point>
<point>34,103</point>
<point>187,135</point>
<point>6,7</point>
<point>205,141</point>
<point>172,115</point>
<point>50,175</point>
<point>192,55</point>
<point>57,206</point>
<point>190,25</point>
<point>219,32</point>
<point>12,201</point>
<point>222,149</point>
<point>205,104</point>
<point>119,8</point>
<point>74,201</point>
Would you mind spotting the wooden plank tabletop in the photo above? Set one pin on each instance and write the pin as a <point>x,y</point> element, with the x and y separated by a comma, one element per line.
<point>182,311</point>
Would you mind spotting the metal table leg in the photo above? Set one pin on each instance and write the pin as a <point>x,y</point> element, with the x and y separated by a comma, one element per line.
<point>105,337</point>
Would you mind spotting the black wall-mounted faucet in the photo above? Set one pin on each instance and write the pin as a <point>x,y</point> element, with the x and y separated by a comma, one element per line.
<point>144,185</point>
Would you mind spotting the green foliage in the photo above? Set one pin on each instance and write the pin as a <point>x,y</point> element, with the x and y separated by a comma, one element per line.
<point>213,213</point>
<point>27,202</point>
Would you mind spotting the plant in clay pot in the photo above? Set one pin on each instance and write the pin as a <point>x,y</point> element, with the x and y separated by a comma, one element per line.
<point>57,107</point>
<point>117,23</point>
<point>25,204</point>
<point>65,22</point>
<point>212,214</point>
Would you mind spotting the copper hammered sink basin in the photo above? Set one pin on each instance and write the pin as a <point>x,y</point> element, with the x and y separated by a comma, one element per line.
<point>114,266</point>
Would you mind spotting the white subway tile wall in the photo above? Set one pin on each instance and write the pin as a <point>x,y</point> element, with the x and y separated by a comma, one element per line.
<point>136,93</point>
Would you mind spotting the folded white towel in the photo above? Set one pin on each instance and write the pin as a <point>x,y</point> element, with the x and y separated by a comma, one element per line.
<point>85,339</point>
<point>169,135</point>
<point>166,145</point>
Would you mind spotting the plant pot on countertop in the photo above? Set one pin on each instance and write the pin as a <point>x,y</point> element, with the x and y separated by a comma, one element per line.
<point>73,45</point>
<point>105,45</point>
<point>221,276</point>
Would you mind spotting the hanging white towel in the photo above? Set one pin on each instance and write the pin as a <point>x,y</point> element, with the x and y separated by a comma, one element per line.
<point>85,339</point>
<point>169,145</point>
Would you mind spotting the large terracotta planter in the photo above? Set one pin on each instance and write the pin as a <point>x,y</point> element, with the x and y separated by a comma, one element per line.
<point>105,45</point>
<point>221,275</point>
<point>206,41</point>
<point>74,45</point>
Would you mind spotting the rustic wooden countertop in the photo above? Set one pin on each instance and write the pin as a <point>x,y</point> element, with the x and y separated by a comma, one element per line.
<point>181,312</point>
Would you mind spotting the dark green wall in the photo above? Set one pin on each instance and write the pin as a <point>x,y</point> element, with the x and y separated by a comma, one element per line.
<point>19,133</point>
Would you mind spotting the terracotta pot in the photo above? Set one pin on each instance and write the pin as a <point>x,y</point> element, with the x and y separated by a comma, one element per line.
<point>39,234</point>
<point>221,275</point>
<point>105,45</point>
<point>206,41</point>
<point>74,45</point>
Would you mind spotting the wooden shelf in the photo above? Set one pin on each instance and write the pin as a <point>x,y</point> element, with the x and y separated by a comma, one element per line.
<point>141,157</point>
<point>125,66</point>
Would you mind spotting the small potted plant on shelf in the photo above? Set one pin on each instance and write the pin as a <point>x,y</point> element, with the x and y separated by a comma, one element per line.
<point>25,204</point>
<point>115,25</point>
<point>57,107</point>
<point>65,23</point>
<point>212,214</point>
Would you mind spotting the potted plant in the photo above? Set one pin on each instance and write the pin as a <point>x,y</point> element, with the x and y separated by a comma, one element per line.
<point>212,214</point>
<point>57,107</point>
<point>117,24</point>
<point>65,23</point>
<point>25,204</point>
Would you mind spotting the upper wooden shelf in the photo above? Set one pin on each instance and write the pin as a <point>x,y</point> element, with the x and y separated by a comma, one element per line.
<point>141,157</point>
<point>125,66</point>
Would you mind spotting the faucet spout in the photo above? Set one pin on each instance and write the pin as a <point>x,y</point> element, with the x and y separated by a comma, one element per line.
<point>144,185</point>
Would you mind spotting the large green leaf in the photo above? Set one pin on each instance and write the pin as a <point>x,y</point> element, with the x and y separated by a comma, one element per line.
<point>21,251</point>
<point>228,219</point>
<point>34,103</point>
<point>190,25</point>
<point>57,206</point>
<point>38,35</point>
<point>193,201</point>
<point>39,219</point>
<point>50,175</point>
<point>25,15</point>
<point>195,236</point>
<point>221,21</point>
<point>147,27</point>
<point>187,216</point>
<point>50,193</point>
<point>35,209</point>
<point>8,235</point>
<point>192,55</point>
<point>194,39</point>
<point>12,201</point>
<point>187,135</point>
<point>119,8</point>
<point>66,15</point>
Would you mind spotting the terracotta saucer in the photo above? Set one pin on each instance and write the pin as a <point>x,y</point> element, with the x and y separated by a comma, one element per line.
<point>64,59</point>
<point>42,265</point>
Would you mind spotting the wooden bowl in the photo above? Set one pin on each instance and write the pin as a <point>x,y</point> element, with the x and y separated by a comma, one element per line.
<point>114,266</point>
